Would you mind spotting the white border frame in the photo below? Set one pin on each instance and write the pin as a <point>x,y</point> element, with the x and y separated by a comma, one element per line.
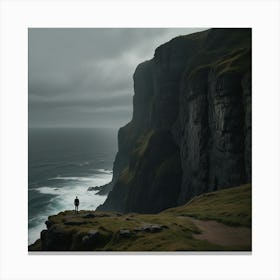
<point>17,16</point>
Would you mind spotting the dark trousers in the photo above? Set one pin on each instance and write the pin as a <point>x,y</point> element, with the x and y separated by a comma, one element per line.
<point>76,208</point>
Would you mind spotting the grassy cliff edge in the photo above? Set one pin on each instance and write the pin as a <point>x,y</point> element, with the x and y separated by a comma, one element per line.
<point>225,214</point>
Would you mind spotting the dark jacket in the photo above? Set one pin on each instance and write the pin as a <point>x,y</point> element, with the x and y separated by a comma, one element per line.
<point>76,202</point>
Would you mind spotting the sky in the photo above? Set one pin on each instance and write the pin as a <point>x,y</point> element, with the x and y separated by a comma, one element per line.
<point>83,77</point>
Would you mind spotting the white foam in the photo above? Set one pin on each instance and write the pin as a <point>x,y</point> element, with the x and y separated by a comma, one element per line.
<point>84,163</point>
<point>34,232</point>
<point>48,190</point>
<point>82,179</point>
<point>104,171</point>
<point>64,198</point>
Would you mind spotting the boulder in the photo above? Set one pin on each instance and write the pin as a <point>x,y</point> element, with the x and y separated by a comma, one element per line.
<point>74,223</point>
<point>89,216</point>
<point>151,228</point>
<point>90,239</point>
<point>96,188</point>
<point>56,239</point>
<point>48,224</point>
<point>124,233</point>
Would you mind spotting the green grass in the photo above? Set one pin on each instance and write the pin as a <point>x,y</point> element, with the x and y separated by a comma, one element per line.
<point>229,54</point>
<point>229,206</point>
<point>142,143</point>
<point>238,61</point>
<point>126,176</point>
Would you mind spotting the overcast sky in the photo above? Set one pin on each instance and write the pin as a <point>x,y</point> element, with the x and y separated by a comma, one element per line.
<point>83,77</point>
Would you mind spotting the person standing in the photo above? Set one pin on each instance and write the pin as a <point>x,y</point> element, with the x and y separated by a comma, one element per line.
<point>76,203</point>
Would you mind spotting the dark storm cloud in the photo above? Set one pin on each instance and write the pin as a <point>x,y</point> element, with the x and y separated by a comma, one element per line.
<point>83,77</point>
<point>92,103</point>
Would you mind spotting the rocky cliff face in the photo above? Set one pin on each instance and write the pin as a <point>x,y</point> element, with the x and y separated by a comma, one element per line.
<point>191,126</point>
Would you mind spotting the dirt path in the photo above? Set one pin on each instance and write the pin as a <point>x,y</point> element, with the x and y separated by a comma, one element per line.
<point>221,234</point>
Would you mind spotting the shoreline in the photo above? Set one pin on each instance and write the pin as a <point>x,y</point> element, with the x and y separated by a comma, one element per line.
<point>61,199</point>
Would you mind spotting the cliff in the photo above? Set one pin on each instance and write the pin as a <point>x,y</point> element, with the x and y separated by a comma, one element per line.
<point>191,127</point>
<point>217,221</point>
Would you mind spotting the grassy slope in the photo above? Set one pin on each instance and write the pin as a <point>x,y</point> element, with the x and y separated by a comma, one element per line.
<point>230,206</point>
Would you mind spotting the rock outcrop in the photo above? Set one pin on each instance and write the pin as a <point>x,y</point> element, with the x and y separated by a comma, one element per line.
<point>191,127</point>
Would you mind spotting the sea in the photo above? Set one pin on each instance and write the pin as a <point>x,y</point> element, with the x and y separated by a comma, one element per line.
<point>62,164</point>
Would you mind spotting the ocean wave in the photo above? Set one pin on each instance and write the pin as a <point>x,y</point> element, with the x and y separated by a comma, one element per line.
<point>62,200</point>
<point>49,190</point>
<point>58,193</point>
<point>74,164</point>
<point>71,178</point>
<point>34,232</point>
<point>84,163</point>
<point>104,171</point>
